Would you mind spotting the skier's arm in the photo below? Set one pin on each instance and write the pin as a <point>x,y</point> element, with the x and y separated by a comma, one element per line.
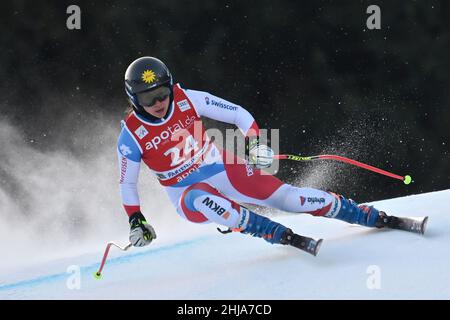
<point>141,232</point>
<point>210,106</point>
<point>129,156</point>
<point>219,109</point>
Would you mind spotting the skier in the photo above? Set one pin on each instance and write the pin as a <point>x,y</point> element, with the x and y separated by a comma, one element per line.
<point>164,130</point>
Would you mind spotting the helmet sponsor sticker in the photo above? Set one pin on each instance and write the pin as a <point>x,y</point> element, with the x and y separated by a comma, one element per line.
<point>148,76</point>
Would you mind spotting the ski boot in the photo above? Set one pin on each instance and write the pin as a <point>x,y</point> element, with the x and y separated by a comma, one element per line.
<point>416,225</point>
<point>303,243</point>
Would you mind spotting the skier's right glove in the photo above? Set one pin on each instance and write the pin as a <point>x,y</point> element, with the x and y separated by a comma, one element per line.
<point>141,233</point>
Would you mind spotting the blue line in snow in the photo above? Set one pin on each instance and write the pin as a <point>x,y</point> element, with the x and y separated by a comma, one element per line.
<point>93,267</point>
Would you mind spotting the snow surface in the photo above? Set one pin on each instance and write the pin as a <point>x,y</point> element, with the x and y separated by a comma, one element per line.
<point>200,263</point>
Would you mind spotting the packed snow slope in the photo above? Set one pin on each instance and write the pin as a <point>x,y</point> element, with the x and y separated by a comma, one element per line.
<point>353,263</point>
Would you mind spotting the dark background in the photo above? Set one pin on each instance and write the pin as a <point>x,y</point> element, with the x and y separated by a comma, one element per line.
<point>310,68</point>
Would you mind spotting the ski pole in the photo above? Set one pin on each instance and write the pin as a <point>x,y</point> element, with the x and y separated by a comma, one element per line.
<point>406,179</point>
<point>98,274</point>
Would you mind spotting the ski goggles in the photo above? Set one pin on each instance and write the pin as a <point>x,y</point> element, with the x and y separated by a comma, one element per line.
<point>149,98</point>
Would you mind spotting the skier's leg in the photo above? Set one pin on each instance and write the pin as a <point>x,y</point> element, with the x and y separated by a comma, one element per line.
<point>201,203</point>
<point>324,204</point>
<point>266,190</point>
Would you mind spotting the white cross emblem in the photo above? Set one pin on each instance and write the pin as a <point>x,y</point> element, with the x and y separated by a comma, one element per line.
<point>125,150</point>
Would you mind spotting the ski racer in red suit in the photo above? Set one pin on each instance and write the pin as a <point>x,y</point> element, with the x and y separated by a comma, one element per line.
<point>165,132</point>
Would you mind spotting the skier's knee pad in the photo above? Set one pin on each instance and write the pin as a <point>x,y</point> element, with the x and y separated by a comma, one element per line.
<point>202,203</point>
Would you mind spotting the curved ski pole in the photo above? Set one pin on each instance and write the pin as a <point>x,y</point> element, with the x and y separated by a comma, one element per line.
<point>98,274</point>
<point>406,179</point>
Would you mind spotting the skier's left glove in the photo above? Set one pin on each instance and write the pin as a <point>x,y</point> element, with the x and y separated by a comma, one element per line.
<point>258,155</point>
<point>141,233</point>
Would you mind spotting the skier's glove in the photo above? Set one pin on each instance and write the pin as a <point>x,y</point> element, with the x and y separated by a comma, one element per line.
<point>258,155</point>
<point>141,233</point>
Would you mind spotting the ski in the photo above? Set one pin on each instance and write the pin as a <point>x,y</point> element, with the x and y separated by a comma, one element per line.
<point>306,244</point>
<point>415,225</point>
